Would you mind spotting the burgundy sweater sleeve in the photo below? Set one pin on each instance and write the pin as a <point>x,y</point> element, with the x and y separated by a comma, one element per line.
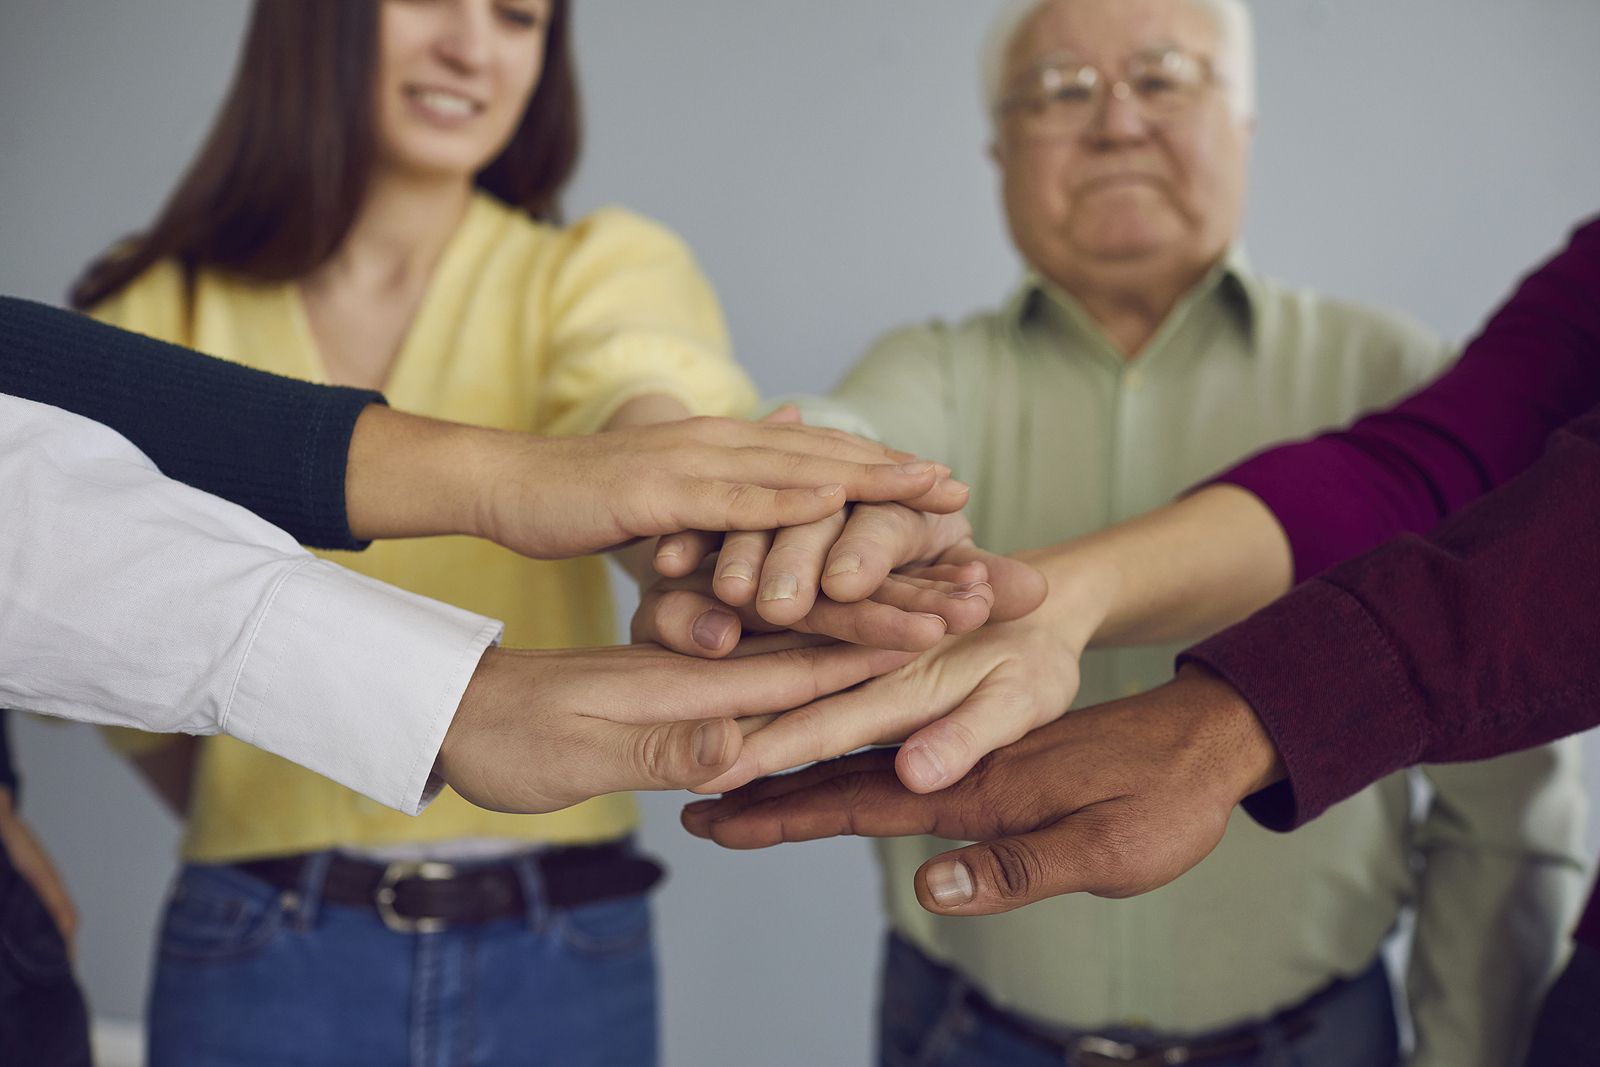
<point>1534,368</point>
<point>1480,639</point>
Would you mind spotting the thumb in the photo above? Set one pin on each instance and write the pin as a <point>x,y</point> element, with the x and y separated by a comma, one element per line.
<point>1116,848</point>
<point>665,755</point>
<point>1000,875</point>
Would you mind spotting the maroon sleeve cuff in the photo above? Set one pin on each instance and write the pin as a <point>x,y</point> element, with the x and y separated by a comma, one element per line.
<point>1331,693</point>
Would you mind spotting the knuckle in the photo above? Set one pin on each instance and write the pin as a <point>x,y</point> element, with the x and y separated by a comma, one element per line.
<point>742,497</point>
<point>652,754</point>
<point>1016,869</point>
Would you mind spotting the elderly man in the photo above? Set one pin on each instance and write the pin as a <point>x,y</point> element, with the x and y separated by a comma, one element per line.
<point>1141,354</point>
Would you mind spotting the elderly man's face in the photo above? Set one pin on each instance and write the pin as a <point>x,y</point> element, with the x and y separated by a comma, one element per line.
<point>1127,190</point>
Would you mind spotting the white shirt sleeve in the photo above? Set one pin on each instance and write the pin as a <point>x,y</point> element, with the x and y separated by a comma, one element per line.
<point>129,599</point>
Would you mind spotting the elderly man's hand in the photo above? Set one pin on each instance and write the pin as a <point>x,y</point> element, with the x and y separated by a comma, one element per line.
<point>1115,801</point>
<point>833,576</point>
<point>908,612</point>
<point>538,731</point>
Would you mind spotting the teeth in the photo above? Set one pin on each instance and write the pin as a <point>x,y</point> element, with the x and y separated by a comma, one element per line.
<point>447,104</point>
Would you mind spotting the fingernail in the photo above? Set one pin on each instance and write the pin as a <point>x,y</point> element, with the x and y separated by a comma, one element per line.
<point>830,490</point>
<point>712,629</point>
<point>700,807</point>
<point>710,742</point>
<point>972,591</point>
<point>739,570</point>
<point>781,587</point>
<point>924,765</point>
<point>672,548</point>
<point>950,883</point>
<point>958,487</point>
<point>917,468</point>
<point>849,563</point>
<point>930,615</point>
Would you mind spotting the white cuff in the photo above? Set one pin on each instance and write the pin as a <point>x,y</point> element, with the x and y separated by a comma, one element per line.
<point>356,680</point>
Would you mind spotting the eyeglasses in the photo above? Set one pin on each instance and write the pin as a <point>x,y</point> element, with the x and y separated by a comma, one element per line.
<point>1060,97</point>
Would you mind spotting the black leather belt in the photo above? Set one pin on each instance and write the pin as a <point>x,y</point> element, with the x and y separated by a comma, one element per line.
<point>1093,1050</point>
<point>421,897</point>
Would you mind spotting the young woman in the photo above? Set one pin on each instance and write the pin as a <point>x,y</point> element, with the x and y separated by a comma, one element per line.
<point>378,205</point>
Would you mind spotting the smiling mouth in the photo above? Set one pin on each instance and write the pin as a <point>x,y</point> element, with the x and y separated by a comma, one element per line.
<point>442,103</point>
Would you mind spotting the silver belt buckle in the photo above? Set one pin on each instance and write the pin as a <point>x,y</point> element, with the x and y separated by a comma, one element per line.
<point>404,871</point>
<point>1093,1051</point>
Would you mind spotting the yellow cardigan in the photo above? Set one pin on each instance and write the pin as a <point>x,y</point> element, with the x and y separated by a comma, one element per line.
<point>524,326</point>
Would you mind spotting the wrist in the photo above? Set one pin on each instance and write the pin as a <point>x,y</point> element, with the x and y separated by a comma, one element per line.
<point>1242,748</point>
<point>410,476</point>
<point>496,465</point>
<point>1081,593</point>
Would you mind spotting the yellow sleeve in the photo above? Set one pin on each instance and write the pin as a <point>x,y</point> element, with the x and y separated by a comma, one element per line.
<point>630,315</point>
<point>153,304</point>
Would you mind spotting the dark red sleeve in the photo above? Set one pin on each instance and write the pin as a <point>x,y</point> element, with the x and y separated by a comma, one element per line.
<point>1480,639</point>
<point>1534,368</point>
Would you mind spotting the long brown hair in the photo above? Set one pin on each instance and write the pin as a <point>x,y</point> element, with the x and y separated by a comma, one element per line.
<point>277,184</point>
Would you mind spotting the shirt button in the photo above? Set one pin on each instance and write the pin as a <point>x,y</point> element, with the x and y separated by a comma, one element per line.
<point>1134,380</point>
<point>1132,689</point>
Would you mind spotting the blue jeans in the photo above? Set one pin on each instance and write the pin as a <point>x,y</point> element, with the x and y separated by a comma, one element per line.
<point>923,1022</point>
<point>1568,1032</point>
<point>42,1014</point>
<point>247,974</point>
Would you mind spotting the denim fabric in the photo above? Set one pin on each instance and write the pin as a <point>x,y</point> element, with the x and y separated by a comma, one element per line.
<point>42,1015</point>
<point>1568,1031</point>
<point>247,974</point>
<point>922,1022</point>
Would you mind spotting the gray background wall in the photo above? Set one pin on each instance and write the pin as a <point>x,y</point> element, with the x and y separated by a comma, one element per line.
<point>825,159</point>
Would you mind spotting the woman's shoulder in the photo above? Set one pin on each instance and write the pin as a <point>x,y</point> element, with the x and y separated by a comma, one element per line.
<point>155,303</point>
<point>607,234</point>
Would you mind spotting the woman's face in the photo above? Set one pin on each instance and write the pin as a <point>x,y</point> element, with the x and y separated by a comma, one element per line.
<point>454,77</point>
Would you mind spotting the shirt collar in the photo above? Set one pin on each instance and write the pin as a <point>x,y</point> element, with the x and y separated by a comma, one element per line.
<point>1231,281</point>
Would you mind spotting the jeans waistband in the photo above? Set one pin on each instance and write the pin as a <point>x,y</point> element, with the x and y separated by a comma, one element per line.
<point>1128,1046</point>
<point>428,896</point>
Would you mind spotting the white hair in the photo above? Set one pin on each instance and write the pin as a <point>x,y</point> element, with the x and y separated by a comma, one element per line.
<point>1235,60</point>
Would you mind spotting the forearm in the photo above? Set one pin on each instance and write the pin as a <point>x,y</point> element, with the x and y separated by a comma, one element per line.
<point>1471,643</point>
<point>140,602</point>
<point>273,445</point>
<point>1178,573</point>
<point>1534,368</point>
<point>410,476</point>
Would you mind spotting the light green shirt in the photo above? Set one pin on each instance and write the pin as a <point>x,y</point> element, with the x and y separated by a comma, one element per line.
<point>1060,435</point>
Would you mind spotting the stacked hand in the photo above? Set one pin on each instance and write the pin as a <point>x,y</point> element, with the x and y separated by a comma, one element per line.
<point>1115,800</point>
<point>537,731</point>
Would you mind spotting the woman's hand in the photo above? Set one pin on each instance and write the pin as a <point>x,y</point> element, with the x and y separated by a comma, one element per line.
<point>559,497</point>
<point>951,707</point>
<point>33,864</point>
